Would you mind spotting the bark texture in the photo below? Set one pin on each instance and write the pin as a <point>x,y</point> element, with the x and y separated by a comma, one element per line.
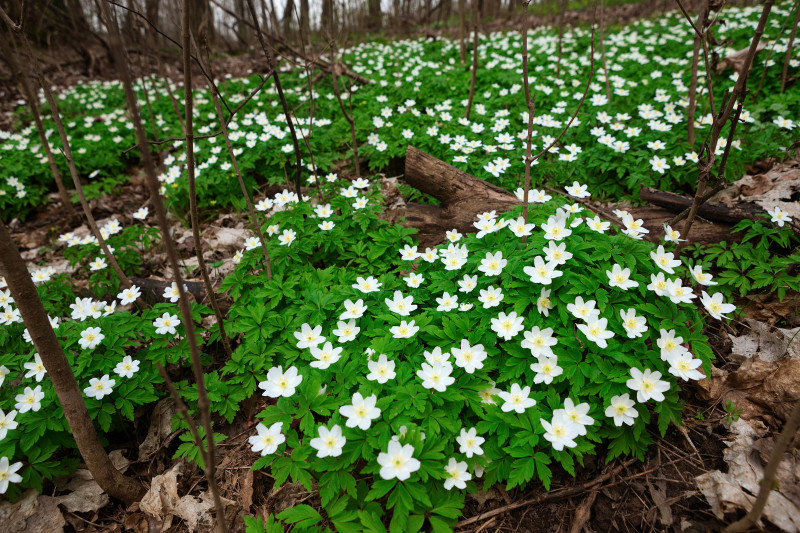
<point>60,374</point>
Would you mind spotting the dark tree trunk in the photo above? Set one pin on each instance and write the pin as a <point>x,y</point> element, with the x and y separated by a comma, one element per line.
<point>242,29</point>
<point>374,15</point>
<point>287,17</point>
<point>328,22</point>
<point>305,20</point>
<point>201,22</point>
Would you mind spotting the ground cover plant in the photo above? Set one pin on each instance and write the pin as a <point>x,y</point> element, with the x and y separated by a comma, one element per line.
<point>391,379</point>
<point>626,135</point>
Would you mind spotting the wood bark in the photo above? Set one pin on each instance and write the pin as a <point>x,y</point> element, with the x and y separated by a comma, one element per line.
<point>374,15</point>
<point>464,196</point>
<point>716,212</point>
<point>60,374</point>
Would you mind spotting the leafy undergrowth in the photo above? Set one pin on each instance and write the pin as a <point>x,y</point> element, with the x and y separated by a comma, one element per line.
<point>398,379</point>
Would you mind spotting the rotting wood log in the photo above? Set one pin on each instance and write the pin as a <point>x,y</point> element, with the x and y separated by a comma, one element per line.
<point>463,196</point>
<point>716,212</point>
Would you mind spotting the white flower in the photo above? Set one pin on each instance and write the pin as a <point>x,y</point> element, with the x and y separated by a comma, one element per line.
<point>141,214</point>
<point>577,190</point>
<point>447,302</point>
<point>577,414</point>
<point>7,423</point>
<point>520,228</point>
<point>467,283</point>
<point>414,280</point>
<point>129,295</point>
<point>29,400</point>
<point>561,432</point>
<point>403,306</point>
<point>457,475</point>
<point>701,277</point>
<point>517,399</point>
<point>634,325</point>
<point>555,228</point>
<point>621,410</point>
<point>543,303</point>
<point>469,357</point>
<point>98,264</point>
<point>430,255</point>
<point>171,293</point>
<point>539,342</point>
<point>166,323</point>
<point>659,164</point>
<point>683,365</point>
<point>8,474</point>
<point>584,310</point>
<point>677,292</point>
<point>99,388</point>
<point>325,356</point>
<point>596,332</point>
<point>658,284</point>
<point>330,441</point>
<point>647,384</point>
<point>405,330</point>
<point>308,337</point>
<point>398,461</point>
<point>353,310</point>
<point>546,368</point>
<point>35,368</point>
<point>493,264</point>
<point>408,253</point>
<point>715,306</point>
<point>541,272</point>
<point>470,442</point>
<point>361,412</point>
<point>620,277</point>
<point>287,237</point>
<point>280,384</point>
<point>4,371</point>
<point>381,370</point>
<point>453,235</point>
<point>556,253</point>
<point>507,326</point>
<point>436,375</point>
<point>669,343</point>
<point>665,260</point>
<point>90,338</point>
<point>491,297</point>
<point>672,235</point>
<point>597,224</point>
<point>127,367</point>
<point>779,216</point>
<point>268,438</point>
<point>367,285</point>
<point>346,331</point>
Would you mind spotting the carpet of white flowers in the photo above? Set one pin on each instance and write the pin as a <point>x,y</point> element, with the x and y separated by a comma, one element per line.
<point>396,378</point>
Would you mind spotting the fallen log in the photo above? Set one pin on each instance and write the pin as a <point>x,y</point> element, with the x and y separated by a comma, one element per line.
<point>716,212</point>
<point>463,196</point>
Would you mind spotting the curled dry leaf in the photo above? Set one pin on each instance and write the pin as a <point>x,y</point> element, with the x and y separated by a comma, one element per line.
<point>737,489</point>
<point>32,513</point>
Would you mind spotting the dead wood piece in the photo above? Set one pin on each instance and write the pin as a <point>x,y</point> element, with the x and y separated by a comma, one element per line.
<point>716,212</point>
<point>153,289</point>
<point>462,197</point>
<point>737,60</point>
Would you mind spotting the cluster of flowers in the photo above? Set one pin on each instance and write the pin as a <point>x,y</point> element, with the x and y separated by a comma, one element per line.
<point>437,372</point>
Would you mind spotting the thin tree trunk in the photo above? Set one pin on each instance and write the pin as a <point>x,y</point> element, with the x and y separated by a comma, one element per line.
<point>693,80</point>
<point>188,128</point>
<point>726,108</point>
<point>476,13</point>
<point>529,104</point>
<point>603,51</point>
<point>172,256</point>
<point>561,14</point>
<point>60,375</point>
<point>788,56</point>
<point>462,30</point>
